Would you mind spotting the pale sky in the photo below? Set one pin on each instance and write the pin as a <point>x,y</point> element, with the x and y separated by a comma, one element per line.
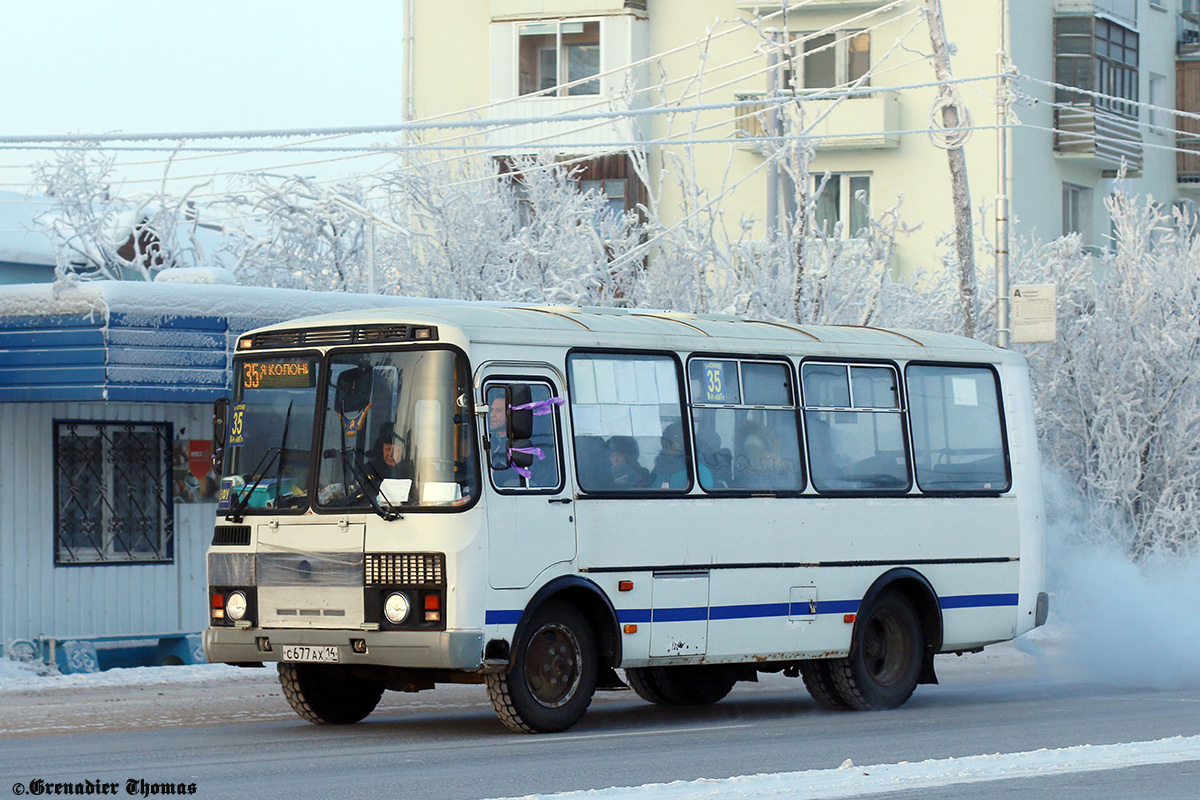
<point>99,66</point>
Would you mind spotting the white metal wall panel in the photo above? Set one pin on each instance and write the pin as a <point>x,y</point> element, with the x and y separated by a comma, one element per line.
<point>38,598</point>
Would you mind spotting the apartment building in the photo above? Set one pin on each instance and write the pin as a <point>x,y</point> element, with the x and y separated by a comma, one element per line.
<point>725,59</point>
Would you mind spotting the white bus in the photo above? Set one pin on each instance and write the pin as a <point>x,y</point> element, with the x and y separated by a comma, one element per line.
<point>533,498</point>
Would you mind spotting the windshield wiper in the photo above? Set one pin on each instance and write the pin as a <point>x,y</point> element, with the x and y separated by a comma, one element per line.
<point>287,423</point>
<point>364,480</point>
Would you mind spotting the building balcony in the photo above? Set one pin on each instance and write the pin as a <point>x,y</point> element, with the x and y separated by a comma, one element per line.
<point>864,122</point>
<point>1095,136</point>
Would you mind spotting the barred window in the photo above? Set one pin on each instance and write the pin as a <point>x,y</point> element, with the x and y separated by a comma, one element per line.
<point>112,492</point>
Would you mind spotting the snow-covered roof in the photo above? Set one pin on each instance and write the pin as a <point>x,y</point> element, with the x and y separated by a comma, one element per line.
<point>132,340</point>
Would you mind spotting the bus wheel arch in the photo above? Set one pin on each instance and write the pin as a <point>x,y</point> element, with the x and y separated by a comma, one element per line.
<point>919,592</point>
<point>593,603</point>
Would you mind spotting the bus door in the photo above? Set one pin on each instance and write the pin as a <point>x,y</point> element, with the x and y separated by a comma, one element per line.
<point>530,506</point>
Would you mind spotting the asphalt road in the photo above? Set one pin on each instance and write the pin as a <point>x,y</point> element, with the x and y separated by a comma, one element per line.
<point>240,738</point>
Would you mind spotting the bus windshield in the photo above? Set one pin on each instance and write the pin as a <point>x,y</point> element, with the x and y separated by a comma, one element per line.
<point>397,431</point>
<point>270,432</point>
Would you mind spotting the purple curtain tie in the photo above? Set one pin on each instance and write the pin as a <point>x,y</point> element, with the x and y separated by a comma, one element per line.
<point>540,408</point>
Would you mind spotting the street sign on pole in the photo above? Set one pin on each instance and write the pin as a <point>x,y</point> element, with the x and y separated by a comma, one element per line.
<point>1034,312</point>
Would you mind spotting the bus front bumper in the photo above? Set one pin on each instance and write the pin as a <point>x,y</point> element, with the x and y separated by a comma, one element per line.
<point>460,650</point>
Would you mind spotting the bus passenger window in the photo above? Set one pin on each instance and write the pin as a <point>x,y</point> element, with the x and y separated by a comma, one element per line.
<point>628,423</point>
<point>854,428</point>
<point>958,441</point>
<point>744,423</point>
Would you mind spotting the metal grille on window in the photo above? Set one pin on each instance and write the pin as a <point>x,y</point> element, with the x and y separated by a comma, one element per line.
<point>112,492</point>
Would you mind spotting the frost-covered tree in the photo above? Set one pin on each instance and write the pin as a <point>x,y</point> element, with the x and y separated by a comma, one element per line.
<point>293,232</point>
<point>518,232</point>
<point>1118,393</point>
<point>103,234</point>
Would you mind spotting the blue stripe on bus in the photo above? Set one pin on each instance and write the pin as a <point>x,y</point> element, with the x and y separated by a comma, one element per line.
<point>759,610</point>
<point>687,614</point>
<point>978,601</point>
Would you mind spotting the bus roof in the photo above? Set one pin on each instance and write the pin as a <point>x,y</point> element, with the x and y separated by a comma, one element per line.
<point>571,326</point>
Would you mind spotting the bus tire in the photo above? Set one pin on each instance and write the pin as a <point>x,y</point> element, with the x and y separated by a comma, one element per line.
<point>328,695</point>
<point>818,680</point>
<point>698,685</point>
<point>552,675</point>
<point>884,664</point>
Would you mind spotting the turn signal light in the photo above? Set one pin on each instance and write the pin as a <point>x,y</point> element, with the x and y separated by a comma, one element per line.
<point>625,586</point>
<point>631,628</point>
<point>850,618</point>
<point>433,602</point>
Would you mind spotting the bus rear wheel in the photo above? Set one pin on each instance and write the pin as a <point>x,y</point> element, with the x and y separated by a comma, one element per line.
<point>550,682</point>
<point>885,655</point>
<point>818,679</point>
<point>328,695</point>
<point>698,685</point>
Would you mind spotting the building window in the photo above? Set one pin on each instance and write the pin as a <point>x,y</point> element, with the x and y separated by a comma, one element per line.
<point>1157,89</point>
<point>559,53</point>
<point>1077,211</point>
<point>842,198</point>
<point>831,59</point>
<point>112,492</point>
<point>1096,55</point>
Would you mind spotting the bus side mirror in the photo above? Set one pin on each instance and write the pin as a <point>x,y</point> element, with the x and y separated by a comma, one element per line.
<point>220,427</point>
<point>520,420</point>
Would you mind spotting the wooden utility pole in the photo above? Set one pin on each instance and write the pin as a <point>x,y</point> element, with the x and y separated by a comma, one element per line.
<point>963,240</point>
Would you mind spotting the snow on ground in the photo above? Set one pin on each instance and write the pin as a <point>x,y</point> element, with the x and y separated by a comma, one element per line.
<point>17,676</point>
<point>851,780</point>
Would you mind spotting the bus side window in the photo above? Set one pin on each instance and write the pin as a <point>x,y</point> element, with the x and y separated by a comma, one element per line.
<point>745,425</point>
<point>627,420</point>
<point>541,450</point>
<point>958,441</point>
<point>855,428</point>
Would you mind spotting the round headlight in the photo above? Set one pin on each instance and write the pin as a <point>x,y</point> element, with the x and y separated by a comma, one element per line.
<point>395,608</point>
<point>235,606</point>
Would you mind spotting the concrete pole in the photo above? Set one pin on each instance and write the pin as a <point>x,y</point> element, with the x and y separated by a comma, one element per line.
<point>964,242</point>
<point>1003,326</point>
<point>771,129</point>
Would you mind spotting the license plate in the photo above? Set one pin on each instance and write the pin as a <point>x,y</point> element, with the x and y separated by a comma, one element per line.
<point>326,654</point>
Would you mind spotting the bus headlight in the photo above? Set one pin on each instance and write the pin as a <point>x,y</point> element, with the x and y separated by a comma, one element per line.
<point>235,606</point>
<point>396,608</point>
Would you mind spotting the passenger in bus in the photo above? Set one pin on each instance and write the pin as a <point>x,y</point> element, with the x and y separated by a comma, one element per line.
<point>717,459</point>
<point>627,473</point>
<point>498,443</point>
<point>670,465</point>
<point>760,463</point>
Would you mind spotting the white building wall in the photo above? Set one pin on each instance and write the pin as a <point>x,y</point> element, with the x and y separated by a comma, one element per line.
<point>38,598</point>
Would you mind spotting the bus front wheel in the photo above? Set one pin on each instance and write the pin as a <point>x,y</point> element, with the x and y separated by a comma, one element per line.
<point>885,655</point>
<point>328,695</point>
<point>550,682</point>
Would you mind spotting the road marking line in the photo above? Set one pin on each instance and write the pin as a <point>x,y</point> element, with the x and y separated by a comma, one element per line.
<point>648,732</point>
